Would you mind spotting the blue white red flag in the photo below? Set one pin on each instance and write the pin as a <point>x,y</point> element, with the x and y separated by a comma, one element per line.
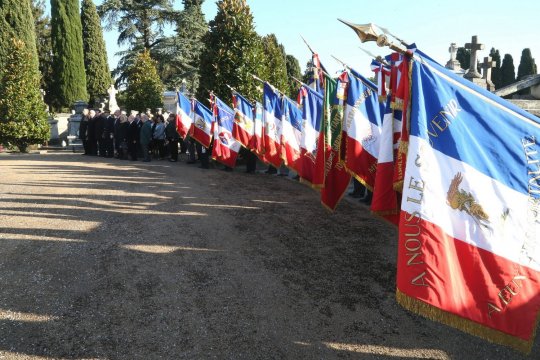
<point>201,129</point>
<point>312,112</point>
<point>272,120</point>
<point>469,245</point>
<point>226,147</point>
<point>257,140</point>
<point>243,127</point>
<point>291,136</point>
<point>362,128</point>
<point>183,115</point>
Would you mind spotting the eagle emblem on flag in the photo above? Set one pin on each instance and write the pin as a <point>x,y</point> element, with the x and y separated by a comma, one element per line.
<point>462,200</point>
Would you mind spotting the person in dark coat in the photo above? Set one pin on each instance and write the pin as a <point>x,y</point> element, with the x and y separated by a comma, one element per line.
<point>172,137</point>
<point>122,132</point>
<point>83,131</point>
<point>117,140</point>
<point>146,137</point>
<point>133,137</point>
<point>99,126</point>
<point>108,135</point>
<point>91,133</point>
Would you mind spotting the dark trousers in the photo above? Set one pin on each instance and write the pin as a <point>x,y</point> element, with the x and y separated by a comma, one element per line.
<point>183,145</point>
<point>146,151</point>
<point>191,149</point>
<point>251,161</point>
<point>173,149</point>
<point>102,147</point>
<point>85,147</point>
<point>92,146</point>
<point>133,149</point>
<point>108,145</point>
<point>203,156</point>
<point>359,189</point>
<point>159,146</point>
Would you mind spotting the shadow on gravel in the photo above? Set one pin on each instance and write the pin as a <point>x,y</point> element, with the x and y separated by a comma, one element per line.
<point>123,260</point>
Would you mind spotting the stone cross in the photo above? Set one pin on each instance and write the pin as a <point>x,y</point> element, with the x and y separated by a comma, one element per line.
<point>486,70</point>
<point>453,51</point>
<point>453,64</point>
<point>474,46</point>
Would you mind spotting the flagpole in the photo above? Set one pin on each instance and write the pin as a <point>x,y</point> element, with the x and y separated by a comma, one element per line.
<point>309,47</point>
<point>350,68</point>
<point>378,58</point>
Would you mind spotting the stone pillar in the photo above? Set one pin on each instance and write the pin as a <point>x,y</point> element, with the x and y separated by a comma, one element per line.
<point>74,122</point>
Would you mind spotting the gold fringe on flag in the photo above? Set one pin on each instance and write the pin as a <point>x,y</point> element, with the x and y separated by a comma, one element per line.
<point>431,312</point>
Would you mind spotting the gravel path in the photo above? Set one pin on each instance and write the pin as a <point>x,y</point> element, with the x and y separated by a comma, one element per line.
<point>108,259</point>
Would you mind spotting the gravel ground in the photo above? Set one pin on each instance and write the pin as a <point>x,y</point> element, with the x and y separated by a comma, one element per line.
<point>108,259</point>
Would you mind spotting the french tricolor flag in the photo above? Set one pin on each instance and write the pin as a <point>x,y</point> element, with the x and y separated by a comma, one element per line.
<point>226,147</point>
<point>201,129</point>
<point>183,115</point>
<point>256,143</point>
<point>291,135</point>
<point>362,126</point>
<point>469,234</point>
<point>312,112</point>
<point>272,122</point>
<point>244,126</point>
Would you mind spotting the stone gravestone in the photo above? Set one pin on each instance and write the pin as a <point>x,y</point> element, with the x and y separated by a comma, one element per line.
<point>486,72</point>
<point>74,122</point>
<point>472,74</point>
<point>113,105</point>
<point>453,64</point>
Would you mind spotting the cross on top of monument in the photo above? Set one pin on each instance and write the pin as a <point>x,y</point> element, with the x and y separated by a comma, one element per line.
<point>486,70</point>
<point>474,46</point>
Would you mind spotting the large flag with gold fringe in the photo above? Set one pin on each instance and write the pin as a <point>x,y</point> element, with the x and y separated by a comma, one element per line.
<point>469,244</point>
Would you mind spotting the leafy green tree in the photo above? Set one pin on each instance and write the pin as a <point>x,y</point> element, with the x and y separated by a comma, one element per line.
<point>68,60</point>
<point>140,24</point>
<point>179,55</point>
<point>232,54</point>
<point>16,21</point>
<point>23,118</point>
<point>98,77</point>
<point>293,70</point>
<point>275,69</point>
<point>526,67</point>
<point>508,74</point>
<point>144,88</point>
<point>42,26</point>
<point>496,71</point>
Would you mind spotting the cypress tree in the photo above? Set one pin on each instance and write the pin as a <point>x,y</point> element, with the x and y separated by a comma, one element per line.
<point>527,65</point>
<point>508,74</point>
<point>496,71</point>
<point>464,57</point>
<point>233,52</point>
<point>17,21</point>
<point>42,26</point>
<point>275,66</point>
<point>293,70</point>
<point>144,89</point>
<point>98,77</point>
<point>68,60</point>
<point>23,118</point>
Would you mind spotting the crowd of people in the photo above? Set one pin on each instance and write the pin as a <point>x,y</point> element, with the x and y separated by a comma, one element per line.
<point>150,136</point>
<point>139,135</point>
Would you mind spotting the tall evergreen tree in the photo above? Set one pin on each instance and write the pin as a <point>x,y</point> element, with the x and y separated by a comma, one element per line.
<point>42,26</point>
<point>275,65</point>
<point>496,71</point>
<point>140,24</point>
<point>508,74</point>
<point>23,118</point>
<point>17,21</point>
<point>526,67</point>
<point>68,60</point>
<point>179,55</point>
<point>233,52</point>
<point>464,57</point>
<point>293,70</point>
<point>144,88</point>
<point>98,77</point>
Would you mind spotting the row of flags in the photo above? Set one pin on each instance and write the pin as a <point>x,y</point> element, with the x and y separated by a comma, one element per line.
<point>455,167</point>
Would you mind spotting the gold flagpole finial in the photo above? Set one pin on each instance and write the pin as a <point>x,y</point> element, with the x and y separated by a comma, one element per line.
<point>369,32</point>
